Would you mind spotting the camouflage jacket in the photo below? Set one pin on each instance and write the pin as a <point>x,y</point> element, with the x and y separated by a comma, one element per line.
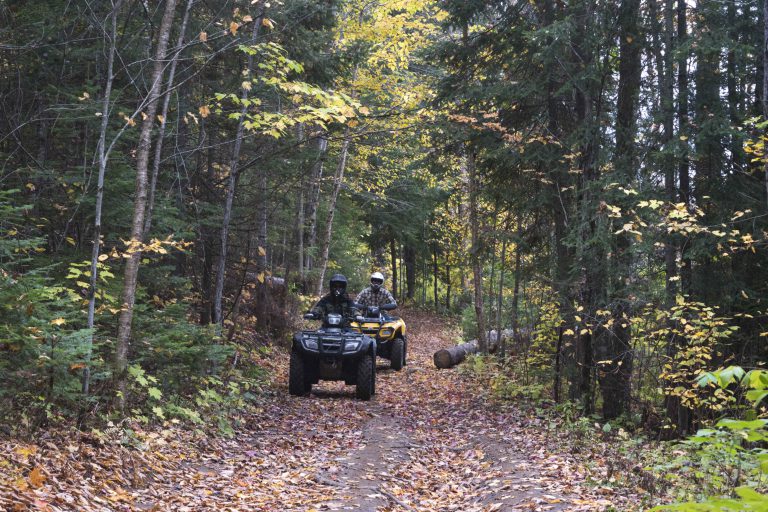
<point>343,306</point>
<point>369,297</point>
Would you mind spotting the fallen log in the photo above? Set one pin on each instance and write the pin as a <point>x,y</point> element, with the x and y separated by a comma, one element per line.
<point>449,357</point>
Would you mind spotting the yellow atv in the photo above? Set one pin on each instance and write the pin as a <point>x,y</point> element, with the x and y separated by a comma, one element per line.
<point>388,331</point>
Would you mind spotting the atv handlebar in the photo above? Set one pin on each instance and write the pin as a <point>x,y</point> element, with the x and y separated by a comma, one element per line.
<point>313,316</point>
<point>388,307</point>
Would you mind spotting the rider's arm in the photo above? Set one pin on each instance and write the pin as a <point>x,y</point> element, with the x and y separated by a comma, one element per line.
<point>319,308</point>
<point>353,311</point>
<point>390,298</point>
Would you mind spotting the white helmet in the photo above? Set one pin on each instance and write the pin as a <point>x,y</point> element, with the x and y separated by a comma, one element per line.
<point>377,279</point>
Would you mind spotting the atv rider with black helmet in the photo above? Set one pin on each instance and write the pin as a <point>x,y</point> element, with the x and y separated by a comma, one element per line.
<point>376,295</point>
<point>336,301</point>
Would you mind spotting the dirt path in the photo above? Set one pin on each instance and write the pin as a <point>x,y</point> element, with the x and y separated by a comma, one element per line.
<point>426,442</point>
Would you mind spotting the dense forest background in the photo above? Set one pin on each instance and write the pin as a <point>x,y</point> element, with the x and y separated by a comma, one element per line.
<point>179,178</point>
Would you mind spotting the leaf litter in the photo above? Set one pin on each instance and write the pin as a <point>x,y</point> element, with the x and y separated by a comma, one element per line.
<point>430,440</point>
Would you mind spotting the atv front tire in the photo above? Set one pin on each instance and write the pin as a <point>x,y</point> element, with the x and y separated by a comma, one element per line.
<point>397,357</point>
<point>366,378</point>
<point>298,384</point>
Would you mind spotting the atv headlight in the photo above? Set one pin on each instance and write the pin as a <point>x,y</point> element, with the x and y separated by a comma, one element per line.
<point>351,346</point>
<point>310,343</point>
<point>385,333</point>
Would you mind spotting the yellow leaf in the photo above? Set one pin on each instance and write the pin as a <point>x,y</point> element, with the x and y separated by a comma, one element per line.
<point>160,118</point>
<point>246,85</point>
<point>267,23</point>
<point>103,257</point>
<point>568,332</point>
<point>203,36</point>
<point>260,277</point>
<point>26,451</point>
<point>143,116</point>
<point>58,321</point>
<point>683,138</point>
<point>36,477</point>
<point>233,27</point>
<point>31,187</point>
<point>204,111</point>
<point>247,18</point>
<point>262,251</point>
<point>364,111</point>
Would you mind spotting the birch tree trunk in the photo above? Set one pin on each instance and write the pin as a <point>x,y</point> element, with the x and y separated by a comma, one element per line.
<point>300,214</point>
<point>393,259</point>
<point>231,186</point>
<point>140,205</point>
<point>102,156</point>
<point>314,201</point>
<point>164,119</point>
<point>262,211</point>
<point>500,302</point>
<point>337,181</point>
<point>477,269</point>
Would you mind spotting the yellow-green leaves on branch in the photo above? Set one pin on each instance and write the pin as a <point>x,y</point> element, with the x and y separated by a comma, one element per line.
<point>300,102</point>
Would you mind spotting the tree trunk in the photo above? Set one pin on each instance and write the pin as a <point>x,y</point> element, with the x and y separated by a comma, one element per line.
<point>139,207</point>
<point>393,258</point>
<point>435,275</point>
<point>516,289</point>
<point>102,156</point>
<point>450,357</point>
<point>234,169</point>
<point>314,200</point>
<point>665,67</point>
<point>447,282</point>
<point>338,179</point>
<point>500,300</point>
<point>409,255</point>
<point>765,84</point>
<point>300,232</point>
<point>615,343</point>
<point>164,120</point>
<point>477,269</point>
<point>736,149</point>
<point>263,251</point>
<point>683,123</point>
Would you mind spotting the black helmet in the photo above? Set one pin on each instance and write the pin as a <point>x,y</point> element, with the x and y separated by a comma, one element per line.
<point>338,285</point>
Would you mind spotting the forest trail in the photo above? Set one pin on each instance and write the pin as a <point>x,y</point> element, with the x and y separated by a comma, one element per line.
<point>428,441</point>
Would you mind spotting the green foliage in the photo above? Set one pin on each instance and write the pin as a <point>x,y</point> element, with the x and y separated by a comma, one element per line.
<point>731,457</point>
<point>469,323</point>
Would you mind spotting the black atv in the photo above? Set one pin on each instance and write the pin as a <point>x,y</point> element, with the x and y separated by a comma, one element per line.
<point>333,352</point>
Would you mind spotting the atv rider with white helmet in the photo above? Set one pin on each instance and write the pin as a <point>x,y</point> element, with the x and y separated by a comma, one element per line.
<point>375,295</point>
<point>336,301</point>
